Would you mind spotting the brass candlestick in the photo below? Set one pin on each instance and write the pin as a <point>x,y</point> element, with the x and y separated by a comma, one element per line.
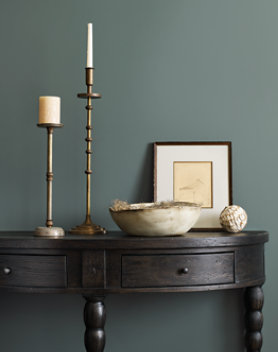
<point>49,230</point>
<point>88,227</point>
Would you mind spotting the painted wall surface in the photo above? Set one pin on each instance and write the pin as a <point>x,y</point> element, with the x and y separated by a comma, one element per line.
<point>180,70</point>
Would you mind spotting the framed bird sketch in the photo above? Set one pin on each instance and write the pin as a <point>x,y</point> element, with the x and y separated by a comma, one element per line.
<point>195,172</point>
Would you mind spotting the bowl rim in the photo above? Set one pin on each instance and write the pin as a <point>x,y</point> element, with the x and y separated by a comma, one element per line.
<point>136,207</point>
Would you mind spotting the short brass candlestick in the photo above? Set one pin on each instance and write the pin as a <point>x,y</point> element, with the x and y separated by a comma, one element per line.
<point>88,227</point>
<point>49,230</point>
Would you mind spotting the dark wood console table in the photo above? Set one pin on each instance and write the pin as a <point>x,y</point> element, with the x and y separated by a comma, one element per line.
<point>117,263</point>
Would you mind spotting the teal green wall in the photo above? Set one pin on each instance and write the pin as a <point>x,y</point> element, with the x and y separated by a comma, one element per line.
<point>177,70</point>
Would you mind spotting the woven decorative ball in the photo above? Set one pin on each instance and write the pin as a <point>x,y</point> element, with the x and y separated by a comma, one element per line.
<point>233,218</point>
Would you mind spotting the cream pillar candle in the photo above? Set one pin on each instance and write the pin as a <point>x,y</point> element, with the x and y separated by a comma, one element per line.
<point>90,45</point>
<point>50,110</point>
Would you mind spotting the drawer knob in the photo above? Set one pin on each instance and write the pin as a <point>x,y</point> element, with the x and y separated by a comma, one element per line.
<point>184,270</point>
<point>7,270</point>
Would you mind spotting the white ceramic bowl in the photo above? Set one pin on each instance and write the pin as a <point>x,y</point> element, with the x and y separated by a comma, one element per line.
<point>149,219</point>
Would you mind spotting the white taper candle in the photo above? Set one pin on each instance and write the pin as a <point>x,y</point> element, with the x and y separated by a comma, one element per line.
<point>90,45</point>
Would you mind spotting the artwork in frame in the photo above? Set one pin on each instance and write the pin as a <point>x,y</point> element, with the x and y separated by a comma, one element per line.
<point>197,172</point>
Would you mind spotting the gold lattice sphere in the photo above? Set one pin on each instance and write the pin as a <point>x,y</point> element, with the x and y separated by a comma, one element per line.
<point>233,218</point>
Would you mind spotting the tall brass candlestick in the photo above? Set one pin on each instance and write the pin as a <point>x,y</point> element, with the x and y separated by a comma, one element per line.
<point>88,227</point>
<point>49,230</point>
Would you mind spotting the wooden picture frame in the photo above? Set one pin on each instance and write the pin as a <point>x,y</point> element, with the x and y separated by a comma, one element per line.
<point>198,172</point>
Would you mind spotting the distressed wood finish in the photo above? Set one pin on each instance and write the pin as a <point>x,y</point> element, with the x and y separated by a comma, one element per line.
<point>119,240</point>
<point>116,263</point>
<point>93,269</point>
<point>177,270</point>
<point>254,299</point>
<point>94,318</point>
<point>33,271</point>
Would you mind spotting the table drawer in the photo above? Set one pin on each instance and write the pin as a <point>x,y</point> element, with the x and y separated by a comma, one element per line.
<point>33,271</point>
<point>177,270</point>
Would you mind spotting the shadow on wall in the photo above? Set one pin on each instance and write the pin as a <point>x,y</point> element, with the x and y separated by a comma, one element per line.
<point>143,187</point>
<point>231,319</point>
<point>164,322</point>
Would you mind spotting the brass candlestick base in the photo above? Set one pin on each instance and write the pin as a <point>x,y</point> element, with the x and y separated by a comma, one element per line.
<point>49,230</point>
<point>88,227</point>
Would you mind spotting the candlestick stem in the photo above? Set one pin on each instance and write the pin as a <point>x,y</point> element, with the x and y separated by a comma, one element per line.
<point>88,227</point>
<point>89,152</point>
<point>49,230</point>
<point>49,176</point>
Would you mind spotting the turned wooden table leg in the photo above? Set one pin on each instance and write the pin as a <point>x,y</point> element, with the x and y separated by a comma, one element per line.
<point>254,299</point>
<point>94,318</point>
